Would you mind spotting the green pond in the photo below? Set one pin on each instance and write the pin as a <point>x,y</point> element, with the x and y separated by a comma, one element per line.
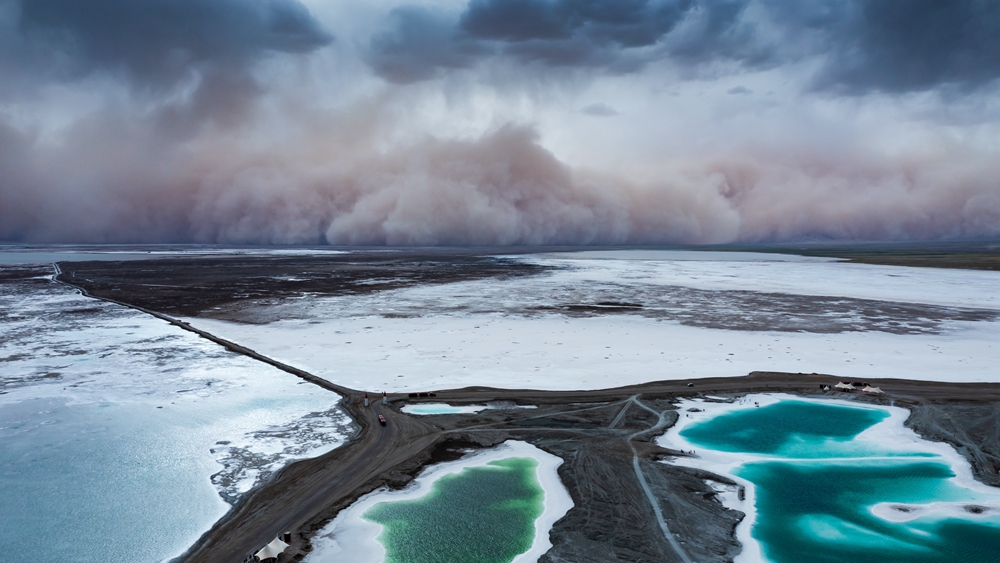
<point>815,491</point>
<point>481,515</point>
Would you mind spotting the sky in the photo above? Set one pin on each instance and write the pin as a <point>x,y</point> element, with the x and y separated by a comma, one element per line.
<point>500,122</point>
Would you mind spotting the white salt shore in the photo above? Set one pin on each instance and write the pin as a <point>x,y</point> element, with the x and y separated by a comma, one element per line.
<point>444,352</point>
<point>782,273</point>
<point>349,537</point>
<point>899,513</point>
<point>889,435</point>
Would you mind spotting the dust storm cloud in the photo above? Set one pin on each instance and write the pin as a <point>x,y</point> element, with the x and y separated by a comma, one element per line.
<point>275,121</point>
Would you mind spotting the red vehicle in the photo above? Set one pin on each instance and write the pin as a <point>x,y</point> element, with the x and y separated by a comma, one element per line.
<point>381,420</point>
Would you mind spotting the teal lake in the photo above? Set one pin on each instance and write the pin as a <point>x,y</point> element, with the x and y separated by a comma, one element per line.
<point>815,485</point>
<point>482,514</point>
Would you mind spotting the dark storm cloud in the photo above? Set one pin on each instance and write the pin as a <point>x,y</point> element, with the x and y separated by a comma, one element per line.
<point>916,44</point>
<point>166,128</point>
<point>586,33</point>
<point>864,45</point>
<point>625,23</point>
<point>153,43</point>
<point>420,42</point>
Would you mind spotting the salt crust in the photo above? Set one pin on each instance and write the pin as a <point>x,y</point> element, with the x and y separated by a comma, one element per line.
<point>890,512</point>
<point>782,273</point>
<point>349,537</point>
<point>889,435</point>
<point>444,352</point>
<point>446,343</point>
<point>688,255</point>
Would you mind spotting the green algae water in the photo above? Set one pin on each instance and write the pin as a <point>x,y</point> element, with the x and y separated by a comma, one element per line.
<point>480,515</point>
<point>815,486</point>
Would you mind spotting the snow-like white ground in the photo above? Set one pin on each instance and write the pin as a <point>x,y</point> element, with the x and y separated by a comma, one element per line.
<point>890,436</point>
<point>702,318</point>
<point>349,537</point>
<point>781,273</point>
<point>59,344</point>
<point>120,429</point>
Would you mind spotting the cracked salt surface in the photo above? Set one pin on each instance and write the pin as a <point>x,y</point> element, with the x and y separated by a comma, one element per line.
<point>597,323</point>
<point>125,434</point>
<point>260,453</point>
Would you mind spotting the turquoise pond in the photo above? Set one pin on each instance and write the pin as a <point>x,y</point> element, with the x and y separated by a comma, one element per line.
<point>480,515</point>
<point>816,484</point>
<point>441,408</point>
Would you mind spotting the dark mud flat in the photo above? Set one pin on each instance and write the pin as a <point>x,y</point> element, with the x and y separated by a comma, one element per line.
<point>214,286</point>
<point>238,288</point>
<point>754,310</point>
<point>966,255</point>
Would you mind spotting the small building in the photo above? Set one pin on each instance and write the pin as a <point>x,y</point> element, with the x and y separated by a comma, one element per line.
<point>272,550</point>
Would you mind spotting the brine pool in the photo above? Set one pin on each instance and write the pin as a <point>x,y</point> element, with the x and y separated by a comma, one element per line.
<point>837,481</point>
<point>496,506</point>
<point>442,408</point>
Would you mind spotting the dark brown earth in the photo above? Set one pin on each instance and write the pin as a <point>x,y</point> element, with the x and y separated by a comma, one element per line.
<point>604,437</point>
<point>240,288</point>
<point>199,285</point>
<point>969,255</point>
